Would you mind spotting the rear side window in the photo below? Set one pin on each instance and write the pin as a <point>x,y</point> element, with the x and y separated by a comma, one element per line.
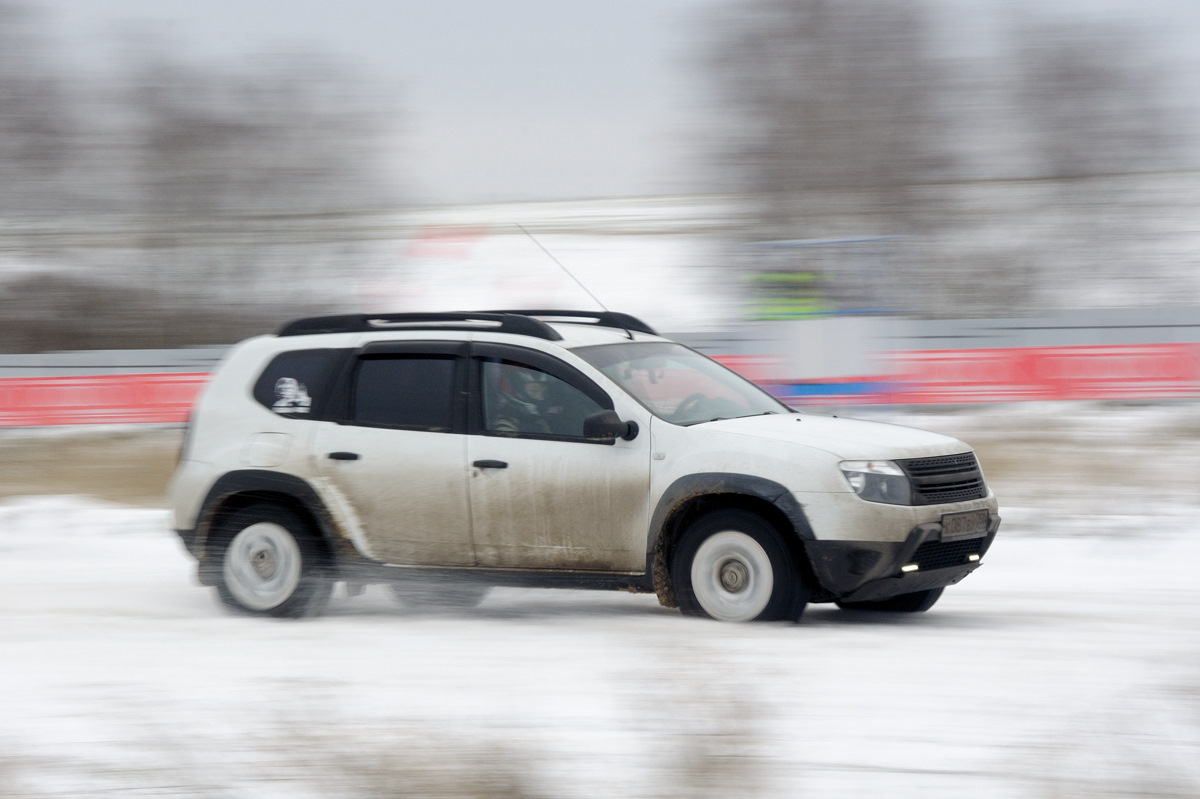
<point>295,384</point>
<point>410,392</point>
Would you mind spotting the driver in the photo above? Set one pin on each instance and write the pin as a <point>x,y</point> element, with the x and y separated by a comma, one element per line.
<point>521,401</point>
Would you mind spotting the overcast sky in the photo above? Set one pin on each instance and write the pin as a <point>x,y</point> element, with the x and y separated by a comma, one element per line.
<point>500,99</point>
<point>514,99</point>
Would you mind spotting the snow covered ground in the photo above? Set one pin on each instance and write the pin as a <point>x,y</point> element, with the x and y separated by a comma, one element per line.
<point>1066,667</point>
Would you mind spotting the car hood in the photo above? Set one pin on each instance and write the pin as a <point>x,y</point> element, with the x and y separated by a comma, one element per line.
<point>846,438</point>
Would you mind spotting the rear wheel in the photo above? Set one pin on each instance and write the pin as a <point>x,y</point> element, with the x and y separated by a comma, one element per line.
<point>732,565</point>
<point>272,563</point>
<point>916,602</point>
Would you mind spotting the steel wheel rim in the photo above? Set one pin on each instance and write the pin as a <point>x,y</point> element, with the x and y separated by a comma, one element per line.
<point>732,577</point>
<point>262,566</point>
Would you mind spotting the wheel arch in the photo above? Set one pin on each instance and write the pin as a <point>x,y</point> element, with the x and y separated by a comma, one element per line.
<point>695,495</point>
<point>234,491</point>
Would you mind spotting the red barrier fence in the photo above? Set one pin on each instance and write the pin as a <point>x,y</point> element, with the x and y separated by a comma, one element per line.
<point>1139,371</point>
<point>1132,371</point>
<point>98,399</point>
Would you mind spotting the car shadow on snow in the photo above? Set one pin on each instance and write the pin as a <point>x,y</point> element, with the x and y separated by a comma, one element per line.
<point>830,615</point>
<point>504,604</point>
<point>509,604</point>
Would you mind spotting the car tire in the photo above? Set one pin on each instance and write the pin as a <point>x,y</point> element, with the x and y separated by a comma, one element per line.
<point>272,563</point>
<point>732,565</point>
<point>437,595</point>
<point>916,602</point>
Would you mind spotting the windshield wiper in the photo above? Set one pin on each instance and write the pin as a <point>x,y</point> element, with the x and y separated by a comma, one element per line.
<point>724,418</point>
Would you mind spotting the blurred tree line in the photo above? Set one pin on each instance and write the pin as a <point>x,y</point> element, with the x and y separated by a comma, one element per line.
<point>903,163</point>
<point>885,160</point>
<point>167,203</point>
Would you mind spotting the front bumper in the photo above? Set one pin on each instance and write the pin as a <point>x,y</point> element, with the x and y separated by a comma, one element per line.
<point>866,571</point>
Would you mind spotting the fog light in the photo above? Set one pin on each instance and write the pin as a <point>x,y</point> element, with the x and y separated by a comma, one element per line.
<point>973,558</point>
<point>910,567</point>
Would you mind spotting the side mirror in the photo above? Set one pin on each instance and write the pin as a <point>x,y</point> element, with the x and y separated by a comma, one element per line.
<point>606,425</point>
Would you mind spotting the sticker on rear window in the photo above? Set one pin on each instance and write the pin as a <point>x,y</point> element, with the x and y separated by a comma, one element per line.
<point>291,396</point>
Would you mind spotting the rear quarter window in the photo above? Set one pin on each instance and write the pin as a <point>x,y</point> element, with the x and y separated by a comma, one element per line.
<point>296,384</point>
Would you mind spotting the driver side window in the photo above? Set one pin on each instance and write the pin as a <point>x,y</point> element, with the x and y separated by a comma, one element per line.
<point>522,400</point>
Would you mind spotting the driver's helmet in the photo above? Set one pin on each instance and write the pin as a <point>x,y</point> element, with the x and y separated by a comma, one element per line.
<point>515,386</point>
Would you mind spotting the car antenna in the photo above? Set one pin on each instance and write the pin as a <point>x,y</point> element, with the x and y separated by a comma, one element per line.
<point>578,282</point>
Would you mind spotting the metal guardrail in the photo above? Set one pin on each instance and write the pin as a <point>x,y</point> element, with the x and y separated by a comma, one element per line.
<point>1091,354</point>
<point>107,362</point>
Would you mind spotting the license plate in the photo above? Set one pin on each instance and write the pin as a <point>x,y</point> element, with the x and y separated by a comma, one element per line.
<point>969,524</point>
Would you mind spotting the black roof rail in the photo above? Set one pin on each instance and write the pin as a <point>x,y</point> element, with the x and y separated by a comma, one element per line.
<point>495,321</point>
<point>615,319</point>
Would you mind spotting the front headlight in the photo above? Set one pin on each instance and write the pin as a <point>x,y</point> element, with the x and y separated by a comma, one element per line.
<point>878,481</point>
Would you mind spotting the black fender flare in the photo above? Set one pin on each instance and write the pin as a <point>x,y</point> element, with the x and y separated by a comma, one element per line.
<point>693,487</point>
<point>244,486</point>
<point>701,484</point>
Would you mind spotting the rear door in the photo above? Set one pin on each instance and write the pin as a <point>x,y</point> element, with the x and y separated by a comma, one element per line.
<point>396,452</point>
<point>543,496</point>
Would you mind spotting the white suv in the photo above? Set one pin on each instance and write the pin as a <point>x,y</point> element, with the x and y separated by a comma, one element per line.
<point>445,453</point>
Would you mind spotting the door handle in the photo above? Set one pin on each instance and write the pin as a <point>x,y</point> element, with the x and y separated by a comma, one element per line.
<point>343,456</point>
<point>490,464</point>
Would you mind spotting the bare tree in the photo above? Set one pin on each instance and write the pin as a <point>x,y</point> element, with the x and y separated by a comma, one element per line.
<point>33,116</point>
<point>836,127</point>
<point>847,120</point>
<point>250,180</point>
<point>835,99</point>
<point>208,199</point>
<point>1090,99</point>
<point>285,135</point>
<point>1094,120</point>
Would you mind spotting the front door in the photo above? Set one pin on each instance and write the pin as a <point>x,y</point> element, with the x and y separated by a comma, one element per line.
<point>543,496</point>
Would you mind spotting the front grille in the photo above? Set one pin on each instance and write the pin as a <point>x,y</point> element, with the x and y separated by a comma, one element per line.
<point>958,491</point>
<point>943,554</point>
<point>945,464</point>
<point>948,478</point>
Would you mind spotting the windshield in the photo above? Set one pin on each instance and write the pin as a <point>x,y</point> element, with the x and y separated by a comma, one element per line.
<point>678,384</point>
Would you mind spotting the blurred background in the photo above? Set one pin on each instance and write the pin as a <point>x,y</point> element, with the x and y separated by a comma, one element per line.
<point>936,208</point>
<point>190,173</point>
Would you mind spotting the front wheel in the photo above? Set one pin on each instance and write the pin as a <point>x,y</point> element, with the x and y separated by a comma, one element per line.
<point>272,563</point>
<point>916,602</point>
<point>732,565</point>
